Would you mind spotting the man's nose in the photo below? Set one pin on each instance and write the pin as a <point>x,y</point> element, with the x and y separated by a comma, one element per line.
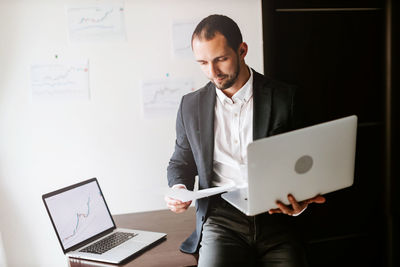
<point>213,70</point>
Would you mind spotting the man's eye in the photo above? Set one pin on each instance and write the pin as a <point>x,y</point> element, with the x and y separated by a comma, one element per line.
<point>222,58</point>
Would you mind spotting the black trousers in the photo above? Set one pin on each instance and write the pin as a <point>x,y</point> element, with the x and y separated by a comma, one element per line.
<point>230,238</point>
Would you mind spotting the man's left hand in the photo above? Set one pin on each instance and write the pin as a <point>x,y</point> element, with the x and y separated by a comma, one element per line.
<point>296,207</point>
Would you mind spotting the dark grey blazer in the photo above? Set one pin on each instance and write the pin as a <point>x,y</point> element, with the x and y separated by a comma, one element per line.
<point>273,113</point>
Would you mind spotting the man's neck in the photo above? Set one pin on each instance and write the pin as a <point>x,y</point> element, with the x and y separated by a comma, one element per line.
<point>243,77</point>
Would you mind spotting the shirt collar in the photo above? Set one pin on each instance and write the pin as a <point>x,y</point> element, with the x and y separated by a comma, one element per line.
<point>242,95</point>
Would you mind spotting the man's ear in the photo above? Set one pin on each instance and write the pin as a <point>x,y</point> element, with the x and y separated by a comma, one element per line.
<point>243,50</point>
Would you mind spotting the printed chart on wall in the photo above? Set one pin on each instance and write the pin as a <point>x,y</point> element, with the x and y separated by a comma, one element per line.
<point>162,97</point>
<point>60,80</point>
<point>181,39</point>
<point>79,214</point>
<point>100,22</point>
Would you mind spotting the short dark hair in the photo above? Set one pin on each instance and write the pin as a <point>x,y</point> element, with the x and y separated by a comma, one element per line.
<point>209,26</point>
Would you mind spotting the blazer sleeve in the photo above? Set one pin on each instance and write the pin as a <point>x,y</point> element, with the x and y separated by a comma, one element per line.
<point>182,167</point>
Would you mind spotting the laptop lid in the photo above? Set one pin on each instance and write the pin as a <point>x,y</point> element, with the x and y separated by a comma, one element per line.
<point>79,214</point>
<point>305,162</point>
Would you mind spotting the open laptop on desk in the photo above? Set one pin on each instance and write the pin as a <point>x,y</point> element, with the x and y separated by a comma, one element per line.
<point>86,229</point>
<point>305,162</point>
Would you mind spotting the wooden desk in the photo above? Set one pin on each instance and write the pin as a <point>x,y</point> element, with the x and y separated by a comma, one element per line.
<point>177,226</point>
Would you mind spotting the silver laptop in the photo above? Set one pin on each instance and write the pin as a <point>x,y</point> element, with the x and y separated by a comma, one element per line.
<point>86,229</point>
<point>305,162</point>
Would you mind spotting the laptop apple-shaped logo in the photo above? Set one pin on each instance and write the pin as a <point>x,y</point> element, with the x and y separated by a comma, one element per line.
<point>303,164</point>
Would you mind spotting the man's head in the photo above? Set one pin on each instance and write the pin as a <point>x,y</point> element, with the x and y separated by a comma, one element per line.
<point>209,26</point>
<point>218,47</point>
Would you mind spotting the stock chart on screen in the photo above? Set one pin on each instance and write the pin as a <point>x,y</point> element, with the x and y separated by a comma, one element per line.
<point>79,214</point>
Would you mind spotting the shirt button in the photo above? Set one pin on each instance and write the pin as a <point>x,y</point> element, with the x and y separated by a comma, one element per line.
<point>236,114</point>
<point>236,141</point>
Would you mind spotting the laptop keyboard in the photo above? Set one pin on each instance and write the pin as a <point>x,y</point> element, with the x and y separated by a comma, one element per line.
<point>108,243</point>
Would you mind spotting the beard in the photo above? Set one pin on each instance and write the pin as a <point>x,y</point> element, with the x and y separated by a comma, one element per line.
<point>230,78</point>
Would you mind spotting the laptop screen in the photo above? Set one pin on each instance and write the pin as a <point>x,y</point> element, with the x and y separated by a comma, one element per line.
<point>78,213</point>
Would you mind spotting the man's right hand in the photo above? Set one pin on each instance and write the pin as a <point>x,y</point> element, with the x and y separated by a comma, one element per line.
<point>176,205</point>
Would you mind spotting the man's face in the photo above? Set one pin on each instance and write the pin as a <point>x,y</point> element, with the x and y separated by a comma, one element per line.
<point>219,62</point>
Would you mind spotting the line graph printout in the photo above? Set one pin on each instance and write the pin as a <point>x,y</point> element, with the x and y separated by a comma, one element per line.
<point>162,97</point>
<point>101,22</point>
<point>181,39</point>
<point>79,214</point>
<point>60,80</point>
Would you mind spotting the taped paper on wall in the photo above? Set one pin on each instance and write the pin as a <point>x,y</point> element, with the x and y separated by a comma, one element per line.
<point>101,22</point>
<point>162,97</point>
<point>181,39</point>
<point>60,80</point>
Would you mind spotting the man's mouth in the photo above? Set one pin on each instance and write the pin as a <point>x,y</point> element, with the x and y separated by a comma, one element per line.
<point>220,79</point>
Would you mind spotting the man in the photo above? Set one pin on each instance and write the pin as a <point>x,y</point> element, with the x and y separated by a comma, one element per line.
<point>214,126</point>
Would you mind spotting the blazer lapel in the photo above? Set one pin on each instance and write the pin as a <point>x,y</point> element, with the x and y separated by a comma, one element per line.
<point>206,104</point>
<point>262,106</point>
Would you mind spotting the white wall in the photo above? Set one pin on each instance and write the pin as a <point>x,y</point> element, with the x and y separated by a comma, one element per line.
<point>50,145</point>
<point>3,259</point>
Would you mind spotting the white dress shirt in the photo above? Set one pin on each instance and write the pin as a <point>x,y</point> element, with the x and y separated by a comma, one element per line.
<point>233,131</point>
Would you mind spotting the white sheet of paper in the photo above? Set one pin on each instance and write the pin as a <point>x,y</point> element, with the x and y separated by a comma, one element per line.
<point>162,97</point>
<point>187,195</point>
<point>101,22</point>
<point>181,39</point>
<point>60,80</point>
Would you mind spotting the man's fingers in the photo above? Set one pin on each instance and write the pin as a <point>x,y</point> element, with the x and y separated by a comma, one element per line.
<point>318,199</point>
<point>177,206</point>
<point>285,209</point>
<point>272,211</point>
<point>297,207</point>
<point>173,202</point>
<point>182,205</point>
